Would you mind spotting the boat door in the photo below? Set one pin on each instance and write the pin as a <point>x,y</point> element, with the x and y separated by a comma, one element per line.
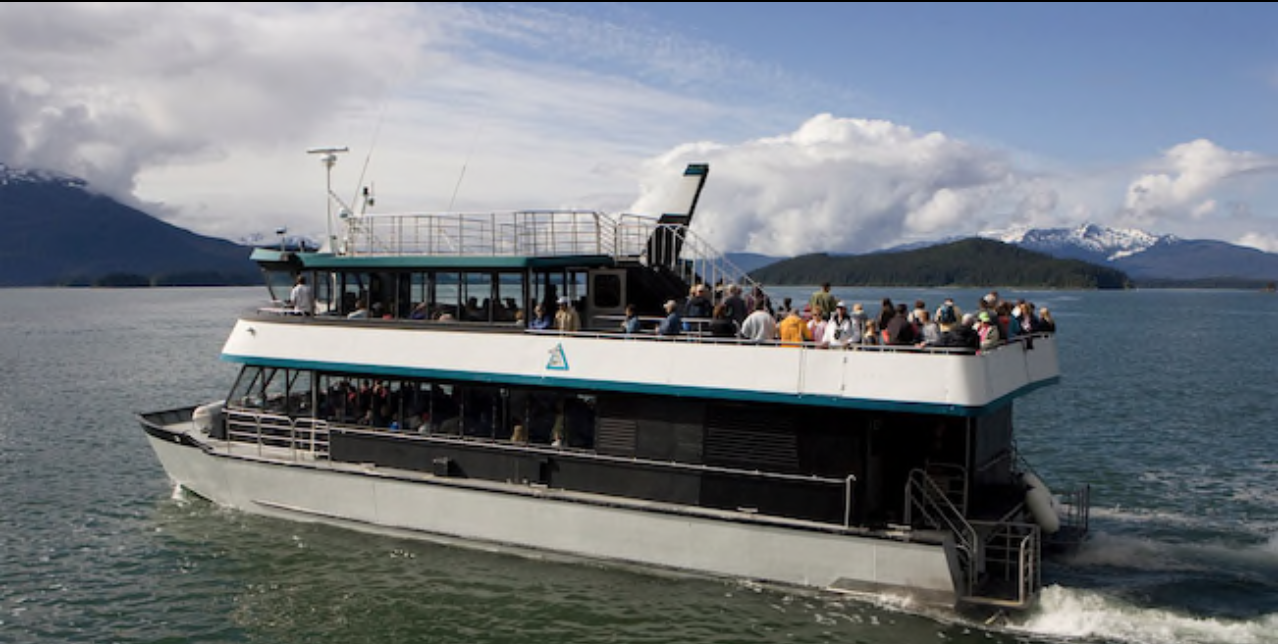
<point>606,306</point>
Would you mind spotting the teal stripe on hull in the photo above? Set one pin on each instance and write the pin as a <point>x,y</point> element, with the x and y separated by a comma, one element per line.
<point>653,390</point>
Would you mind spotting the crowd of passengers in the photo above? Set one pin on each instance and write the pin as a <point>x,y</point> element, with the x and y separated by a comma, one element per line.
<point>520,416</point>
<point>827,322</point>
<point>824,321</point>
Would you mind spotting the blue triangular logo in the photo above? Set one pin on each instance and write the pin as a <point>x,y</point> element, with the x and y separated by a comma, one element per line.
<point>558,361</point>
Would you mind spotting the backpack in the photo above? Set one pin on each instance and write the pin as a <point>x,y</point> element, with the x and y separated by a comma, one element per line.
<point>947,315</point>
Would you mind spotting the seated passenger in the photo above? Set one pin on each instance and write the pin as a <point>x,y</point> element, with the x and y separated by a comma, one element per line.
<point>360,312</point>
<point>539,319</point>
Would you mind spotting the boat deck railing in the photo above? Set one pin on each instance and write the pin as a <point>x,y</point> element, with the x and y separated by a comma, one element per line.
<point>1000,560</point>
<point>1013,560</point>
<point>525,233</point>
<point>298,436</point>
<point>931,503</point>
<point>542,233</point>
<point>280,436</point>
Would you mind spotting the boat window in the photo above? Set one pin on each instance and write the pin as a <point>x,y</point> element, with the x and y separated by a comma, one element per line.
<point>549,286</point>
<point>325,286</point>
<point>477,297</point>
<point>447,295</point>
<point>490,413</point>
<point>606,290</point>
<point>354,289</point>
<point>510,291</point>
<point>261,388</point>
<point>279,282</point>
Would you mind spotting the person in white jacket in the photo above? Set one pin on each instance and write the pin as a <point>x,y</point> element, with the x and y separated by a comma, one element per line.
<point>759,326</point>
<point>839,329</point>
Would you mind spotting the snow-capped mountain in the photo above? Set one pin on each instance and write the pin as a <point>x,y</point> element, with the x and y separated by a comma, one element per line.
<point>1147,257</point>
<point>1089,242</point>
<point>10,176</point>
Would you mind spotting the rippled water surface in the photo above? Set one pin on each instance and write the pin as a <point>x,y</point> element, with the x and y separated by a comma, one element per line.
<point>1169,415</point>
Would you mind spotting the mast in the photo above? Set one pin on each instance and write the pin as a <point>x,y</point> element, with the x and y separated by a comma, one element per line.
<point>329,159</point>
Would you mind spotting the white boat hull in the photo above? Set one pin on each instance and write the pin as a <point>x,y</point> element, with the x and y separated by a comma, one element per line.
<point>536,519</point>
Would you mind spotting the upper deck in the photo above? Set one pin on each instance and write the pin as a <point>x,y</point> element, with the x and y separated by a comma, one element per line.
<point>930,381</point>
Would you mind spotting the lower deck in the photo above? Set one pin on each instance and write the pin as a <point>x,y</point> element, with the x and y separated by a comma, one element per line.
<point>946,482</point>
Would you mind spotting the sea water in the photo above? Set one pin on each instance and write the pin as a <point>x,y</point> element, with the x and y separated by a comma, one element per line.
<point>1166,407</point>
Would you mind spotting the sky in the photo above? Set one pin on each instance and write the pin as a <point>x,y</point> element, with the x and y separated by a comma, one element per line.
<point>828,127</point>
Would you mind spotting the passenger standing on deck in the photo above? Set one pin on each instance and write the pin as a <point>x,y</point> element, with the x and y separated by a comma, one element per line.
<point>929,333</point>
<point>816,326</point>
<point>1045,322</point>
<point>871,335</point>
<point>919,306</point>
<point>824,300</point>
<point>899,330</point>
<point>302,297</point>
<point>886,312</point>
<point>698,306</point>
<point>759,326</point>
<point>793,330</point>
<point>757,296</point>
<point>673,324</point>
<point>987,331</point>
<point>786,306</point>
<point>859,321</point>
<point>721,324</point>
<point>631,323</point>
<point>838,329</point>
<point>566,318</point>
<point>948,313</point>
<point>736,304</point>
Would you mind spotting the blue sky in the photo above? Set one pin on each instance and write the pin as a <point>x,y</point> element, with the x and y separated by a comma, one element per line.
<point>842,127</point>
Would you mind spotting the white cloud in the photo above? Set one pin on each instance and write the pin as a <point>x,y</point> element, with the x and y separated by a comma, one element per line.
<point>201,113</point>
<point>837,184</point>
<point>1187,176</point>
<point>1267,242</point>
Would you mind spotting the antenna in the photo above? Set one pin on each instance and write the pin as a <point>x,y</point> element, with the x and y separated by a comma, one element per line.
<point>329,159</point>
<point>465,163</point>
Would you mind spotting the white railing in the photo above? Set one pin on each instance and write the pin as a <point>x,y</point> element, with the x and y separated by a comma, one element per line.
<point>542,233</point>
<point>498,234</point>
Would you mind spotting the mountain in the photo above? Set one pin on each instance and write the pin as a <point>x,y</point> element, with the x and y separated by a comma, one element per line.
<point>59,232</point>
<point>749,261</point>
<point>1151,260</point>
<point>972,262</point>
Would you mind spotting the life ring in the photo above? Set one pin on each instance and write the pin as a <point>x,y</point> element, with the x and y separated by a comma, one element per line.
<point>1041,503</point>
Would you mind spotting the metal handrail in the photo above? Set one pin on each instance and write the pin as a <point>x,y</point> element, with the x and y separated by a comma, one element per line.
<point>301,435</point>
<point>921,492</point>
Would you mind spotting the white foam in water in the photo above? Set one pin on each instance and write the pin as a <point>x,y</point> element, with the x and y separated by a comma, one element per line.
<point>1073,613</point>
<point>1133,552</point>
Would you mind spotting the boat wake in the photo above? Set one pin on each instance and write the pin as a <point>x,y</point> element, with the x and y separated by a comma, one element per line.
<point>1126,588</point>
<point>1082,614</point>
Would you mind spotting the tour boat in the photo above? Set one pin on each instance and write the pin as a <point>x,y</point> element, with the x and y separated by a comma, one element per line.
<point>418,399</point>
